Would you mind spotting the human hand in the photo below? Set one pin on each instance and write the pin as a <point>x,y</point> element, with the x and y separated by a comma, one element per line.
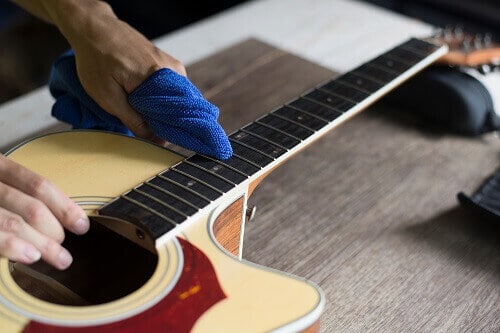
<point>33,213</point>
<point>112,58</point>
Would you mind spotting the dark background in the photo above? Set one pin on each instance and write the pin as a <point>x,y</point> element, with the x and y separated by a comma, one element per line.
<point>29,46</point>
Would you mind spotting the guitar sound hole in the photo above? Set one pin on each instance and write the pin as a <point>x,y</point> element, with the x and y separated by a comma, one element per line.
<point>106,266</point>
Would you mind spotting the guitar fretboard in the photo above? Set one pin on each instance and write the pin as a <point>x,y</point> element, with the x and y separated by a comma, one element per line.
<point>166,201</point>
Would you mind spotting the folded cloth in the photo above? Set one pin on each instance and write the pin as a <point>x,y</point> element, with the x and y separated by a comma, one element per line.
<point>171,105</point>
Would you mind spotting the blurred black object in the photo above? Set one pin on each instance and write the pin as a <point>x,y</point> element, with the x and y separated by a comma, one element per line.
<point>475,16</point>
<point>447,99</point>
<point>486,200</point>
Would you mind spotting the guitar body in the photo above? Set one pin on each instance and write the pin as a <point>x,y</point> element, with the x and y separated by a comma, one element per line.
<point>197,284</point>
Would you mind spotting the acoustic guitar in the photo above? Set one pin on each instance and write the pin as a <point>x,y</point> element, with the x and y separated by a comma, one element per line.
<point>164,250</point>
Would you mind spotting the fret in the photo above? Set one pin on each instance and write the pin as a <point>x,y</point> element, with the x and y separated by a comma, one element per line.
<point>250,155</point>
<point>219,168</point>
<point>241,164</point>
<point>206,178</point>
<point>188,182</point>
<point>390,64</point>
<point>362,83</point>
<point>419,46</point>
<point>261,145</point>
<point>184,192</point>
<point>171,199</point>
<point>286,125</point>
<point>344,91</point>
<point>156,200</point>
<point>273,144</point>
<point>130,211</point>
<point>375,73</point>
<point>252,148</point>
<point>159,208</point>
<point>273,134</point>
<point>335,102</point>
<point>404,55</point>
<point>211,172</point>
<point>301,118</point>
<point>318,110</point>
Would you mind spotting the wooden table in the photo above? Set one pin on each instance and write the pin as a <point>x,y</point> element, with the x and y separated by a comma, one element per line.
<point>369,212</point>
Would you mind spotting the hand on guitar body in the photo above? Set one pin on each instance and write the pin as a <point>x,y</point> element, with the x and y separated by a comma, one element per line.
<point>112,59</point>
<point>33,213</point>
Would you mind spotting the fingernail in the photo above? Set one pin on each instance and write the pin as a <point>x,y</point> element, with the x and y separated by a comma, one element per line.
<point>64,260</point>
<point>32,253</point>
<point>81,226</point>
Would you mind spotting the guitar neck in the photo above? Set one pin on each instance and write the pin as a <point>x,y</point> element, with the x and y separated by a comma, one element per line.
<point>167,201</point>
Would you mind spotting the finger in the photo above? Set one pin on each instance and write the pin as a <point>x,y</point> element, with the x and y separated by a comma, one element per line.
<point>67,213</point>
<point>33,211</point>
<point>16,232</point>
<point>17,249</point>
<point>118,105</point>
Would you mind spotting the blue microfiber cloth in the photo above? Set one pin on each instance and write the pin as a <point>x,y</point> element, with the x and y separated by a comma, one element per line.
<point>171,105</point>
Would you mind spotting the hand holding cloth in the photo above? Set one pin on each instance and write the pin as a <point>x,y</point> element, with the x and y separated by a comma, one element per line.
<point>174,109</point>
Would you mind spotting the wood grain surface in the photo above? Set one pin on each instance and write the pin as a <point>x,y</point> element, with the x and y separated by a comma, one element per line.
<point>369,211</point>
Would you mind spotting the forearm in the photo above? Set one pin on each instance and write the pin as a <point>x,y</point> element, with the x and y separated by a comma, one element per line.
<point>69,16</point>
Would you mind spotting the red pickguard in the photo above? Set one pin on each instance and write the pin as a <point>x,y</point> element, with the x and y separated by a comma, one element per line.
<point>195,292</point>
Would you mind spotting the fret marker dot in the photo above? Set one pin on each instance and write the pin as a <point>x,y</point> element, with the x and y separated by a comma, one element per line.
<point>190,183</point>
<point>359,82</point>
<point>329,99</point>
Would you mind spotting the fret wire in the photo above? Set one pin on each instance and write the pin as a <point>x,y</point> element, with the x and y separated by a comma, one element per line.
<point>277,130</point>
<point>354,87</point>
<point>392,56</point>
<point>368,77</point>
<point>264,139</point>
<point>382,68</point>
<point>357,86</point>
<point>210,172</point>
<point>172,195</point>
<point>354,94</point>
<point>429,47</point>
<point>411,49</point>
<point>320,103</point>
<point>197,180</point>
<point>247,160</point>
<point>225,165</point>
<point>338,95</point>
<point>394,65</point>
<point>380,74</point>
<point>295,114</point>
<point>293,121</point>
<point>252,148</point>
<point>137,203</point>
<point>185,188</point>
<point>160,202</point>
<point>310,113</point>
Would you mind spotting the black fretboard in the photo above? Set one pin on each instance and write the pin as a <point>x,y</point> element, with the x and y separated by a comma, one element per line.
<point>164,202</point>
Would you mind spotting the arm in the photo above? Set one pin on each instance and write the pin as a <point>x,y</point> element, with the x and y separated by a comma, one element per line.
<point>112,60</point>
